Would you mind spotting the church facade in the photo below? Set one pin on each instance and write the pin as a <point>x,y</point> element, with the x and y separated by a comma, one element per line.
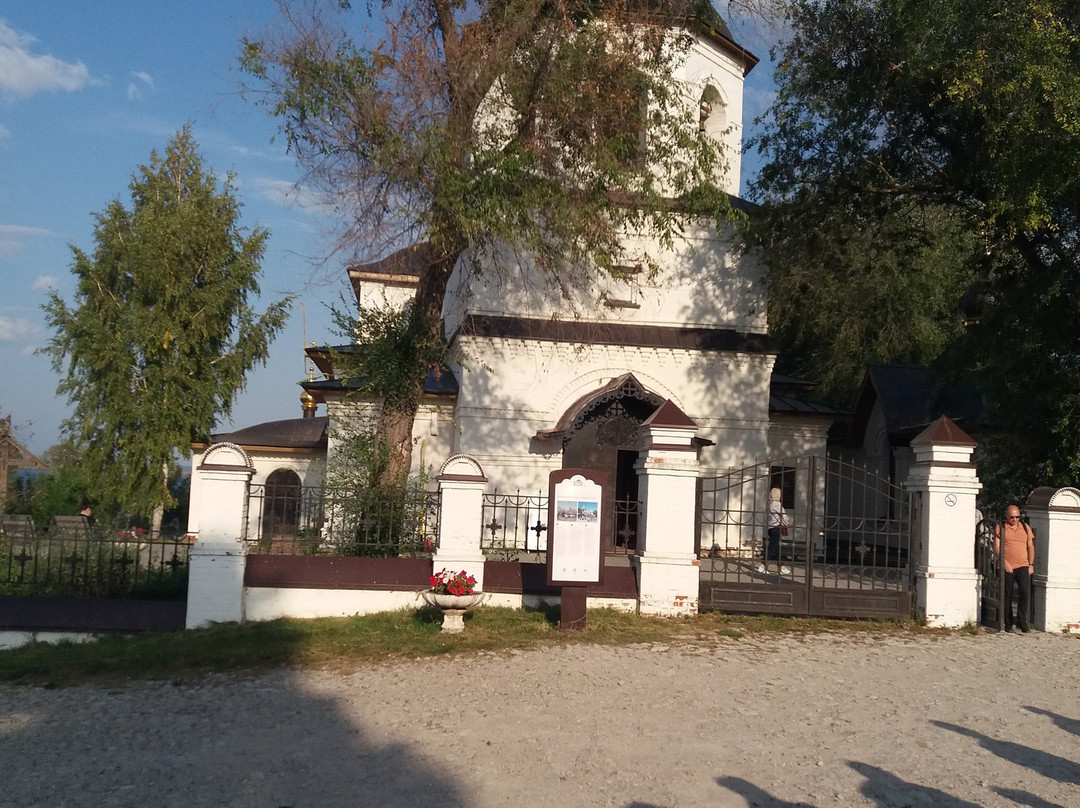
<point>565,378</point>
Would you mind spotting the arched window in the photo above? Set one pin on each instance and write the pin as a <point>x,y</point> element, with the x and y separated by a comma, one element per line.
<point>712,113</point>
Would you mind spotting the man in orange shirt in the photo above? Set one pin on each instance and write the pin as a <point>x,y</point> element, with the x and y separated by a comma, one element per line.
<point>1019,563</point>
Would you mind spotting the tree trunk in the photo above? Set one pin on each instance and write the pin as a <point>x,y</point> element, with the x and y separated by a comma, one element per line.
<point>155,521</point>
<point>159,511</point>
<point>395,427</point>
<point>395,424</point>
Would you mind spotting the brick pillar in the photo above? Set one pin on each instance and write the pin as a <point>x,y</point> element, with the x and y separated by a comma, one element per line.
<point>218,556</point>
<point>1054,514</point>
<point>462,483</point>
<point>668,567</point>
<point>943,486</point>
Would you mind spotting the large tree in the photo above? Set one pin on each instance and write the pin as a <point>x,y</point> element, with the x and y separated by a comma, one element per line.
<point>462,126</point>
<point>968,112</point>
<point>161,333</point>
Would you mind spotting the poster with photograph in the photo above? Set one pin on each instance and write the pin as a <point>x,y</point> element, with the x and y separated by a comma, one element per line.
<point>574,555</point>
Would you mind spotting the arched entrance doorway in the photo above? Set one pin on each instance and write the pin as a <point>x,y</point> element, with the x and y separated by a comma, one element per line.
<point>604,434</point>
<point>281,507</point>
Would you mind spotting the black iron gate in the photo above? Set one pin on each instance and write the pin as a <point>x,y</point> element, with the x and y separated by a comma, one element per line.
<point>846,553</point>
<point>991,581</point>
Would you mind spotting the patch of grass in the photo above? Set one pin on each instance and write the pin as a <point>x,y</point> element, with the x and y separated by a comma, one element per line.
<point>247,648</point>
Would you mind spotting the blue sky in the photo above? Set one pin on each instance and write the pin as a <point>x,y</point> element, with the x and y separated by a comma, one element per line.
<point>87,91</point>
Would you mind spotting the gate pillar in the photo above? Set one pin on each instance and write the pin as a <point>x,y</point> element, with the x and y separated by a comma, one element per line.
<point>943,485</point>
<point>1054,514</point>
<point>461,516</point>
<point>218,557</point>
<point>668,567</point>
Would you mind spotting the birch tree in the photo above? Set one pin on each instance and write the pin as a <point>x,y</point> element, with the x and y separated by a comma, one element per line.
<point>161,332</point>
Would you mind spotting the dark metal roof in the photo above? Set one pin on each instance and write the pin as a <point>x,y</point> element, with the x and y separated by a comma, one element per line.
<point>779,382</point>
<point>793,405</point>
<point>438,382</point>
<point>912,397</point>
<point>292,433</point>
<point>407,262</point>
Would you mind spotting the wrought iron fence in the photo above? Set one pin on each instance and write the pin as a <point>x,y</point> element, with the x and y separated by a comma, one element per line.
<point>515,526</point>
<point>358,521</point>
<point>626,527</point>
<point>65,559</point>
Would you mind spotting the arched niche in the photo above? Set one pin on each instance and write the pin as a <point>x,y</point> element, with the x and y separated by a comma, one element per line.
<point>712,113</point>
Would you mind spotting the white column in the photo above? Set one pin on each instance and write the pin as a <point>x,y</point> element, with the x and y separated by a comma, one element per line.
<point>943,485</point>
<point>668,567</point>
<point>218,556</point>
<point>1054,514</point>
<point>461,512</point>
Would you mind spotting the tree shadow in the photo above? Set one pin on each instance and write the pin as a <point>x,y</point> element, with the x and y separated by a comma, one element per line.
<point>881,786</point>
<point>1071,725</point>
<point>1025,798</point>
<point>754,795</point>
<point>270,741</point>
<point>886,789</point>
<point>1044,763</point>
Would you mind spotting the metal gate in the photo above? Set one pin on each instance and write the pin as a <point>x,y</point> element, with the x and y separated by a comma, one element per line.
<point>991,581</point>
<point>847,552</point>
<point>990,569</point>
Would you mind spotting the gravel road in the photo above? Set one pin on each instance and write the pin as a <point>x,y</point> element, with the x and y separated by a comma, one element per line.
<point>823,720</point>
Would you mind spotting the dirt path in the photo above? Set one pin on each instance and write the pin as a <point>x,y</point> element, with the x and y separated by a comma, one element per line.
<point>817,721</point>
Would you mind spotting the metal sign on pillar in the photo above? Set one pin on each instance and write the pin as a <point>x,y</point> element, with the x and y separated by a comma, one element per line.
<point>575,555</point>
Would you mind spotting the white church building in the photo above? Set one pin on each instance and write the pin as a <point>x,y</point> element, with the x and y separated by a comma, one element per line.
<point>551,381</point>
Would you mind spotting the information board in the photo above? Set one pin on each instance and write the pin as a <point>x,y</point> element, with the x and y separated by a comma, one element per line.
<point>575,514</point>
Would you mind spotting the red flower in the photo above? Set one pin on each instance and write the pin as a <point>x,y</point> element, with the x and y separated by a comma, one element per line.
<point>447,583</point>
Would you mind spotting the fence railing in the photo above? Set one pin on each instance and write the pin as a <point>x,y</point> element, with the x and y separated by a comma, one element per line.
<point>515,526</point>
<point>64,559</point>
<point>310,520</point>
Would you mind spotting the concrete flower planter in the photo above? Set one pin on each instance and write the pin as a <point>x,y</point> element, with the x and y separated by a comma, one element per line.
<point>453,608</point>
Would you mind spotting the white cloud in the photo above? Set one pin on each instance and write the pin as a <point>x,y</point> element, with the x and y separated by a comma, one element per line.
<point>12,236</point>
<point>23,74</point>
<point>45,283</point>
<point>12,330</point>
<point>4,132</point>
<point>144,81</point>
<point>287,194</point>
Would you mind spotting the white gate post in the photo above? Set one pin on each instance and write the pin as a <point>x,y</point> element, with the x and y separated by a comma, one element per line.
<point>217,559</point>
<point>943,485</point>
<point>461,514</point>
<point>669,571</point>
<point>1054,514</point>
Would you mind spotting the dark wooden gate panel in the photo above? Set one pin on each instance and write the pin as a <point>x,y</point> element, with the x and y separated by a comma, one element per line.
<point>846,553</point>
